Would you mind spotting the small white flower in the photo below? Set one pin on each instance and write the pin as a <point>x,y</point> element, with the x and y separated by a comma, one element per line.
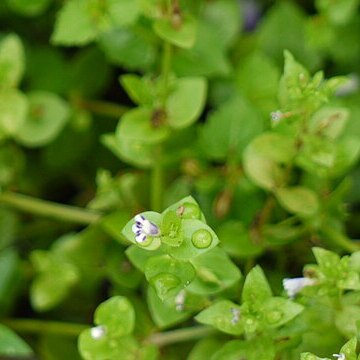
<point>235,315</point>
<point>97,332</point>
<point>180,300</point>
<point>293,286</point>
<point>340,356</point>
<point>144,228</point>
<point>350,87</point>
<point>276,116</point>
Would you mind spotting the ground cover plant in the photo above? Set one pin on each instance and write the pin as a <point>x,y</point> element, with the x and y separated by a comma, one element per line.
<point>179,179</point>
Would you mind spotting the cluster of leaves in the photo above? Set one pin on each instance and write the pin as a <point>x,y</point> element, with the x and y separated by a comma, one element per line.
<point>203,106</point>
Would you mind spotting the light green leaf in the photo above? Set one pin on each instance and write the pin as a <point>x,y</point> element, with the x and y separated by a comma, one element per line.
<point>338,12</point>
<point>123,12</point>
<point>163,314</point>
<point>224,316</point>
<point>198,239</point>
<point>256,287</point>
<point>171,229</point>
<point>136,125</point>
<point>14,107</point>
<point>117,315</point>
<point>168,276</point>
<point>12,345</point>
<point>140,90</point>
<point>29,8</point>
<point>186,102</point>
<point>298,200</point>
<point>329,121</point>
<point>215,272</point>
<point>235,239</point>
<point>74,25</point>
<point>182,35</point>
<point>47,116</point>
<point>278,311</point>
<point>349,349</point>
<point>12,61</point>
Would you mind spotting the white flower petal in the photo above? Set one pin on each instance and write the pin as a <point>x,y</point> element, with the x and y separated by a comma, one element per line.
<point>293,286</point>
<point>97,332</point>
<point>140,238</point>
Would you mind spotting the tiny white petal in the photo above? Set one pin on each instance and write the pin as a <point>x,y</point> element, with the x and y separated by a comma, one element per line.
<point>340,356</point>
<point>235,315</point>
<point>276,116</point>
<point>180,300</point>
<point>140,238</point>
<point>97,332</point>
<point>139,218</point>
<point>293,286</point>
<point>135,229</point>
<point>150,228</point>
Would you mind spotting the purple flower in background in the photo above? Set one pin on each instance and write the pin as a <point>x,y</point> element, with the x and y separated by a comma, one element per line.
<point>251,13</point>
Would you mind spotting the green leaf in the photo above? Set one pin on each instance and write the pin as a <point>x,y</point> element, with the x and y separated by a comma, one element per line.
<point>154,242</point>
<point>215,272</point>
<point>255,349</point>
<point>327,260</point>
<point>188,209</point>
<point>123,12</point>
<point>226,17</point>
<point>182,35</point>
<point>349,349</point>
<point>129,48</point>
<point>275,34</point>
<point>235,240</point>
<point>230,129</point>
<point>55,278</point>
<point>186,102</point>
<point>171,229</point>
<point>278,311</point>
<point>12,345</point>
<point>12,61</point>
<point>205,348</point>
<point>224,316</point>
<point>125,347</point>
<point>74,25</point>
<point>298,200</point>
<point>206,58</point>
<point>29,8</point>
<point>168,276</point>
<point>261,167</point>
<point>13,111</point>
<point>163,314</point>
<point>136,125</point>
<point>117,315</point>
<point>329,121</point>
<point>256,288</point>
<point>346,320</point>
<point>139,256</point>
<point>140,90</point>
<point>47,116</point>
<point>137,153</point>
<point>339,12</point>
<point>198,239</point>
<point>258,79</point>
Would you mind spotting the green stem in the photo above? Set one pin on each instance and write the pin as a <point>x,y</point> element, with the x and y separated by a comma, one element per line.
<point>157,182</point>
<point>102,107</point>
<point>165,71</point>
<point>49,209</point>
<point>33,326</point>
<point>340,239</point>
<point>181,335</point>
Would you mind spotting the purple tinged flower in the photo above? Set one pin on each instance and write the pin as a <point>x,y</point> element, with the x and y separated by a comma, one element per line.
<point>293,286</point>
<point>144,228</point>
